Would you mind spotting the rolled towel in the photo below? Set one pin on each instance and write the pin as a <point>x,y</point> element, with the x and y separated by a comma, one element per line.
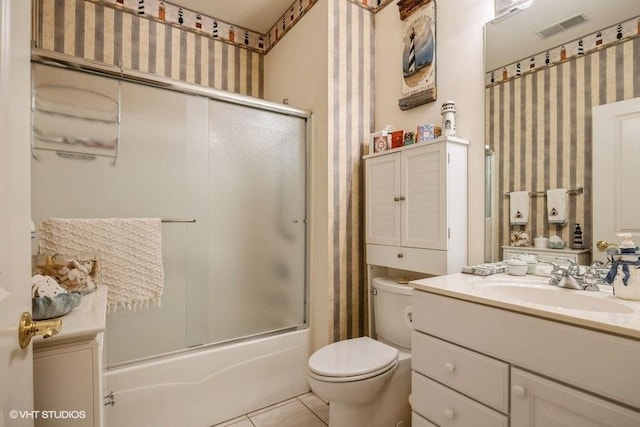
<point>557,203</point>
<point>519,207</point>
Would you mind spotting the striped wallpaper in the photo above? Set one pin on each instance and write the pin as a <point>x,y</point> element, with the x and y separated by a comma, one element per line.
<point>539,126</point>
<point>102,33</point>
<point>351,58</point>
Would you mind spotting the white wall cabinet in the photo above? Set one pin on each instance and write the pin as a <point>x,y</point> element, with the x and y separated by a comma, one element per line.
<point>473,365</point>
<point>416,207</point>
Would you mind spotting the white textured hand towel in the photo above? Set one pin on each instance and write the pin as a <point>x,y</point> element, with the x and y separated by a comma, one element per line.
<point>557,202</point>
<point>519,207</point>
<point>129,253</point>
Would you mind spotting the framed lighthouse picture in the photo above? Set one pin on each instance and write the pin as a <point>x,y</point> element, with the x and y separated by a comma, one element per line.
<point>419,52</point>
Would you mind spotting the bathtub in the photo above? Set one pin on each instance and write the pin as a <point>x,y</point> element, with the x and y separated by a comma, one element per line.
<point>203,387</point>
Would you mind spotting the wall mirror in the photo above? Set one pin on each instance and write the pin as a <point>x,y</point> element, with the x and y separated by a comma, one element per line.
<point>547,66</point>
<point>543,25</point>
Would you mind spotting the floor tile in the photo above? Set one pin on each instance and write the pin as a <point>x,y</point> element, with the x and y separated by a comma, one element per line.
<point>291,413</point>
<point>269,408</point>
<point>242,421</point>
<point>317,405</point>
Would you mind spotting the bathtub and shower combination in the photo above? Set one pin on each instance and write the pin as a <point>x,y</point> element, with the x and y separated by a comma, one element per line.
<point>231,333</point>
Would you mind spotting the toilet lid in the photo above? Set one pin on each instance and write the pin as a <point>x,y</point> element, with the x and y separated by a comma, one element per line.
<point>352,357</point>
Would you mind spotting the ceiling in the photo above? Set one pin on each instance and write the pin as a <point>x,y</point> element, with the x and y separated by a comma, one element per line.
<point>513,37</point>
<point>256,15</point>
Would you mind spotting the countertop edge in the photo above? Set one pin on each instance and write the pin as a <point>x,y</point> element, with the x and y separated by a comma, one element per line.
<point>536,311</point>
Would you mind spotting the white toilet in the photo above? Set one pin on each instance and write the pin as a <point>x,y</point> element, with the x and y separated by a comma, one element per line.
<point>367,382</point>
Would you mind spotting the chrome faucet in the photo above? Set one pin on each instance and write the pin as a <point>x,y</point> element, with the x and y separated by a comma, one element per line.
<point>571,277</point>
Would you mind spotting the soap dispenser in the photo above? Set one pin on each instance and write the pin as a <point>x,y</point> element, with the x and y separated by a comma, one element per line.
<point>625,271</point>
<point>627,246</point>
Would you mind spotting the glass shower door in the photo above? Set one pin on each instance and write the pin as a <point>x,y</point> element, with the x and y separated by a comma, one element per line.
<point>257,211</point>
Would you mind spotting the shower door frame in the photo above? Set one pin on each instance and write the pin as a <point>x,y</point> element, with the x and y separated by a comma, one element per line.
<point>55,59</point>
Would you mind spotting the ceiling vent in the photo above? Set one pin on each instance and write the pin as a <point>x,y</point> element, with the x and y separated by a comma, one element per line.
<point>562,26</point>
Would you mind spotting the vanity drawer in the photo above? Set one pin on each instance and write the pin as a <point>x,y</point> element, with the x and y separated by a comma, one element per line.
<point>480,377</point>
<point>445,407</point>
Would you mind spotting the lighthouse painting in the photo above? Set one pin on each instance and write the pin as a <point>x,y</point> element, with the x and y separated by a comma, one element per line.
<point>419,52</point>
<point>417,58</point>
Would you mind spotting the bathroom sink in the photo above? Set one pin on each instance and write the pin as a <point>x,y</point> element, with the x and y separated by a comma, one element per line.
<point>544,294</point>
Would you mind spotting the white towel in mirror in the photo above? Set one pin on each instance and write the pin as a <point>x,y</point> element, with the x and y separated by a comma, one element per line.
<point>557,203</point>
<point>519,207</point>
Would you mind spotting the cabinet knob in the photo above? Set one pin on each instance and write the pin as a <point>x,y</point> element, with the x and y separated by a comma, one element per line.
<point>402,198</point>
<point>518,391</point>
<point>450,367</point>
<point>400,255</point>
<point>396,199</point>
<point>449,414</point>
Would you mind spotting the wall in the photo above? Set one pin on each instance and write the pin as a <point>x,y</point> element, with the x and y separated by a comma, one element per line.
<point>119,37</point>
<point>351,65</point>
<point>460,77</point>
<point>540,128</point>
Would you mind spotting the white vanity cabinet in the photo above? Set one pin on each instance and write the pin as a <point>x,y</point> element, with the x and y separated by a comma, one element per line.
<point>416,207</point>
<point>480,365</point>
<point>68,367</point>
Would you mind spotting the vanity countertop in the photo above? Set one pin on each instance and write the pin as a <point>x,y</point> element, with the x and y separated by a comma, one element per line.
<point>84,322</point>
<point>623,319</point>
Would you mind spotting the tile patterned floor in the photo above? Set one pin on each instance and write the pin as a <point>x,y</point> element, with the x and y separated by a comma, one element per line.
<point>307,410</point>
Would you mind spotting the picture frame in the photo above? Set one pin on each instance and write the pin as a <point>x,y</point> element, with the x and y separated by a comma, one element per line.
<point>419,52</point>
<point>520,238</point>
<point>379,142</point>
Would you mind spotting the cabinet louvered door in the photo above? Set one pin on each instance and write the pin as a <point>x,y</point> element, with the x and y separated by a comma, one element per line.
<point>424,222</point>
<point>383,199</point>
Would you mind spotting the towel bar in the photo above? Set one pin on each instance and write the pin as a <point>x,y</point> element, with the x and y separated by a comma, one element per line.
<point>177,221</point>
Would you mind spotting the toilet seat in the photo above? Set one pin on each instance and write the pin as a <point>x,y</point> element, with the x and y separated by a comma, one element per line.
<point>352,360</point>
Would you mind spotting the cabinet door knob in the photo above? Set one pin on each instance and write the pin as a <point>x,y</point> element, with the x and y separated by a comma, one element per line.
<point>449,367</point>
<point>402,198</point>
<point>518,391</point>
<point>449,414</point>
<point>400,255</point>
<point>396,199</point>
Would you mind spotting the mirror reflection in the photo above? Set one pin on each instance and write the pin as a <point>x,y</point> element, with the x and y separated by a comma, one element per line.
<point>542,82</point>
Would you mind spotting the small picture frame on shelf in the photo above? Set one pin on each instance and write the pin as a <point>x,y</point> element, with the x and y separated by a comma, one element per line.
<point>380,141</point>
<point>409,138</point>
<point>520,238</point>
<point>397,139</point>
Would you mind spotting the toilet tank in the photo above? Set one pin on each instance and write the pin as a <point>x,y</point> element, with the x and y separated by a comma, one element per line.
<point>392,311</point>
